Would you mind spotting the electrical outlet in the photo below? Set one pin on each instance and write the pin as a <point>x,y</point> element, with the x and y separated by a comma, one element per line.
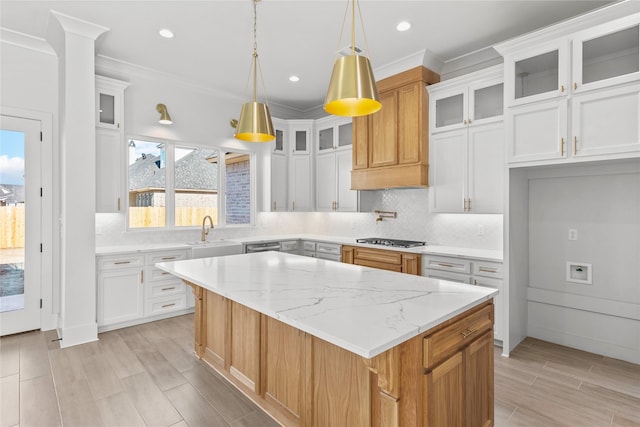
<point>480,230</point>
<point>573,234</point>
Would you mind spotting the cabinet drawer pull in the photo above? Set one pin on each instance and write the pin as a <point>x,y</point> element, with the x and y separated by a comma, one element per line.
<point>562,88</point>
<point>441,264</point>
<point>168,257</point>
<point>561,147</point>
<point>575,145</point>
<point>168,289</point>
<point>468,332</point>
<point>141,277</point>
<point>164,273</point>
<point>173,303</point>
<point>488,270</point>
<point>575,86</point>
<point>122,262</point>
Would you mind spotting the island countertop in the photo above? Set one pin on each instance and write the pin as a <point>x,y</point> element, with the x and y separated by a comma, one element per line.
<point>360,309</point>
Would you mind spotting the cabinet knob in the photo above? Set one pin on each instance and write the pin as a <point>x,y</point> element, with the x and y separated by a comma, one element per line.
<point>562,88</point>
<point>575,85</point>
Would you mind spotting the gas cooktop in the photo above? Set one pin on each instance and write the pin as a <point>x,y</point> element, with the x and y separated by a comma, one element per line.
<point>391,242</point>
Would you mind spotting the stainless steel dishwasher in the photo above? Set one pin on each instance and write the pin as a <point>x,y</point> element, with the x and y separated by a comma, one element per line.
<point>261,247</point>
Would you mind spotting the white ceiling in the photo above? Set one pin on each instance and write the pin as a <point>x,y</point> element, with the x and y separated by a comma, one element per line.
<point>213,43</point>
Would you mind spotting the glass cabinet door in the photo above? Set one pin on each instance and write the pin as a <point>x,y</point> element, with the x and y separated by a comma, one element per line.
<point>486,102</point>
<point>539,74</point>
<point>301,142</point>
<point>606,54</point>
<point>279,145</point>
<point>108,114</point>
<point>450,111</point>
<point>325,139</point>
<point>345,135</point>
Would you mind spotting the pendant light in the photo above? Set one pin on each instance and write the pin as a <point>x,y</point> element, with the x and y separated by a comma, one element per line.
<point>255,123</point>
<point>352,88</point>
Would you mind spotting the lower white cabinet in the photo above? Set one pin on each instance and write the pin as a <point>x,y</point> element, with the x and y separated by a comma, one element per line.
<point>120,289</point>
<point>131,290</point>
<point>472,272</point>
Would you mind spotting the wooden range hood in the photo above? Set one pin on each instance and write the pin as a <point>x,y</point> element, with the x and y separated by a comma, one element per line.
<point>390,147</point>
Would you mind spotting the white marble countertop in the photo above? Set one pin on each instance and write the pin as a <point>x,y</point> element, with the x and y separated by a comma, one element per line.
<point>363,310</point>
<point>483,254</point>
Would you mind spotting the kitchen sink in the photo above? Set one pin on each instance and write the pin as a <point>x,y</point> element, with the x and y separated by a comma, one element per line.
<point>215,248</point>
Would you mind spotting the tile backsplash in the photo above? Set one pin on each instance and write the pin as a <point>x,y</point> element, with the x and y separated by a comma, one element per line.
<point>414,222</point>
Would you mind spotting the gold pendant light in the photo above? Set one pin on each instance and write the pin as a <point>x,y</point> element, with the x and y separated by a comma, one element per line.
<point>255,123</point>
<point>352,88</point>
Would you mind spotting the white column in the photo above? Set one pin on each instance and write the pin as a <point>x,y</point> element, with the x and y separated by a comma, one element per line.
<point>74,42</point>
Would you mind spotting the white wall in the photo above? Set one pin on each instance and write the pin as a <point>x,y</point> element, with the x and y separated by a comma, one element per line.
<point>601,202</point>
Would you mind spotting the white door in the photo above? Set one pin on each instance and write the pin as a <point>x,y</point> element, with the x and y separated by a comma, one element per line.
<point>20,222</point>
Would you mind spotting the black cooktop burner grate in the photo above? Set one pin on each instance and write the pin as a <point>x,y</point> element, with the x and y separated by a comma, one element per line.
<point>391,242</point>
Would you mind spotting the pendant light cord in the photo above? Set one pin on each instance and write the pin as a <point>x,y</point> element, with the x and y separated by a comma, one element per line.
<point>255,67</point>
<point>353,27</point>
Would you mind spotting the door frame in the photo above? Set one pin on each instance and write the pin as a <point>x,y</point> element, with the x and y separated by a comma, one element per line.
<point>50,276</point>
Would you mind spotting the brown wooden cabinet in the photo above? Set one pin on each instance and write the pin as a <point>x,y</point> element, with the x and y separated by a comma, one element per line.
<point>459,363</point>
<point>403,262</point>
<point>442,377</point>
<point>390,147</point>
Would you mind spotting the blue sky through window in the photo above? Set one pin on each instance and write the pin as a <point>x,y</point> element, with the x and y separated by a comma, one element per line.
<point>11,157</point>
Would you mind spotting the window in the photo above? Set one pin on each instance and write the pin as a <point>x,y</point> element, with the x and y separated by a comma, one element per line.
<point>176,185</point>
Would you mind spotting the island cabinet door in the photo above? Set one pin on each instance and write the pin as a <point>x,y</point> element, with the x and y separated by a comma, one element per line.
<point>478,388</point>
<point>245,346</point>
<point>284,367</point>
<point>444,394</point>
<point>214,328</point>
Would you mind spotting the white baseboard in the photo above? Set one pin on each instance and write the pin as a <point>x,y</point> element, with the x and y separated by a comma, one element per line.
<point>78,334</point>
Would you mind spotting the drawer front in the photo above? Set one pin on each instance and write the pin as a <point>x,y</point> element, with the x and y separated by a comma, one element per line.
<point>377,255</point>
<point>112,262</point>
<point>156,306</point>
<point>447,275</point>
<point>328,248</point>
<point>289,246</point>
<point>487,282</point>
<point>330,257</point>
<point>381,265</point>
<point>456,265</point>
<point>487,269</point>
<point>311,254</point>
<point>441,344</point>
<point>309,246</point>
<point>153,258</point>
<point>153,274</point>
<point>164,289</point>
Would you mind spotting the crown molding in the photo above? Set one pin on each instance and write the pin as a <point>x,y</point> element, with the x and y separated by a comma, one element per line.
<point>562,29</point>
<point>26,41</point>
<point>79,26</point>
<point>420,58</point>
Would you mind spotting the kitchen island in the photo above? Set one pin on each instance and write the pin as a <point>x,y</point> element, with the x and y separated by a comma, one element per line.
<point>321,343</point>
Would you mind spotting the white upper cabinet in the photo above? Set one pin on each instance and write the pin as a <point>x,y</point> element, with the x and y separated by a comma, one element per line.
<point>109,102</point>
<point>279,167</point>
<point>110,149</point>
<point>300,169</point>
<point>466,145</point>
<point>333,165</point>
<point>575,98</point>
<point>606,55</point>
<point>300,136</point>
<point>537,73</point>
<point>459,105</point>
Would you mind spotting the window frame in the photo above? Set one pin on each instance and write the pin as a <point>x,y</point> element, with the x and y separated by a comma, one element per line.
<point>170,205</point>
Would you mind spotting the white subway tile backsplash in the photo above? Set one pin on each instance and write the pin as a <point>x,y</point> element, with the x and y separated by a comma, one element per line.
<point>414,222</point>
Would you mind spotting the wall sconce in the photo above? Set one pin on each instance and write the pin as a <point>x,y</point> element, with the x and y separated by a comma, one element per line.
<point>165,118</point>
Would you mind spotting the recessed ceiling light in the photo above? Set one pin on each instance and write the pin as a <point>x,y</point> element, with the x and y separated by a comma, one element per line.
<point>403,26</point>
<point>294,79</point>
<point>166,33</point>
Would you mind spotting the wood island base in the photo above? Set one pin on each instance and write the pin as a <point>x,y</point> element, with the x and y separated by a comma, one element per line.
<point>443,377</point>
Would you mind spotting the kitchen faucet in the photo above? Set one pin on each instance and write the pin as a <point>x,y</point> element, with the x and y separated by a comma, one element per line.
<point>205,232</point>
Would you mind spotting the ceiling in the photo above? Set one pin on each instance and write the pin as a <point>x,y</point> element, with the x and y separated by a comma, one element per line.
<point>213,42</point>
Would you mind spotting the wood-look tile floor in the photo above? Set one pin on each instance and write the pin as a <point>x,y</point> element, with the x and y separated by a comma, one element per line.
<point>147,375</point>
